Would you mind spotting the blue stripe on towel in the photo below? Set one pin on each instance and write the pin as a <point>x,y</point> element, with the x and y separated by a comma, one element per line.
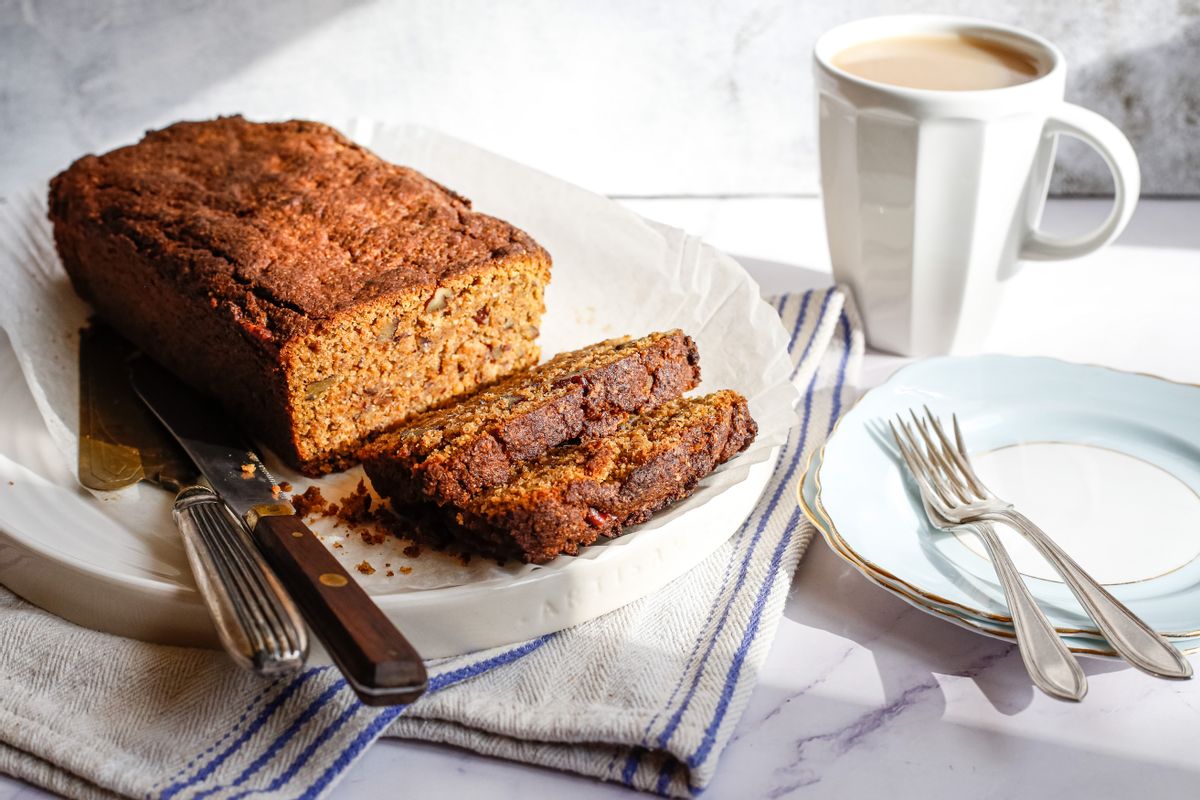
<point>769,511</point>
<point>268,710</point>
<point>801,440</point>
<point>800,324</point>
<point>664,778</point>
<point>817,327</point>
<point>292,769</point>
<point>739,656</point>
<point>438,682</point>
<point>386,717</point>
<point>836,410</point>
<point>254,701</point>
<point>735,669</point>
<point>633,761</point>
<point>273,749</point>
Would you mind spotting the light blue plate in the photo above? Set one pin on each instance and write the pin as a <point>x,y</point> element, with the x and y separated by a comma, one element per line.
<point>874,515</point>
<point>1083,643</point>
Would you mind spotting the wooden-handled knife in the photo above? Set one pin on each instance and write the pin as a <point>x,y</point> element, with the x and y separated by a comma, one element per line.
<point>377,661</point>
<point>121,443</point>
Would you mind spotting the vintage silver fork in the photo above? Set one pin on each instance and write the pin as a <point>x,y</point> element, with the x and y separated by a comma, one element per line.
<point>961,497</point>
<point>1051,666</point>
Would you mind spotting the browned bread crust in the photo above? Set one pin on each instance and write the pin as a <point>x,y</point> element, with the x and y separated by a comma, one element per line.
<point>450,454</point>
<point>321,292</point>
<point>577,493</point>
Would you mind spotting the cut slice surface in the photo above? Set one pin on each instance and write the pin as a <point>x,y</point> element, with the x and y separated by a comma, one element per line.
<point>576,493</point>
<point>451,454</point>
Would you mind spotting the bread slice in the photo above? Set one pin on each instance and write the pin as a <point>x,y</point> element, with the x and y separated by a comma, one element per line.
<point>320,292</point>
<point>576,493</point>
<point>451,454</point>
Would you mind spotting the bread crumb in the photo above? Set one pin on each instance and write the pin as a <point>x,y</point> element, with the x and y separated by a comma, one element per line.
<point>391,574</point>
<point>248,470</point>
<point>365,568</point>
<point>372,537</point>
<point>337,545</point>
<point>285,486</point>
<point>413,550</point>
<point>356,506</point>
<point>405,570</point>
<point>311,502</point>
<point>356,511</point>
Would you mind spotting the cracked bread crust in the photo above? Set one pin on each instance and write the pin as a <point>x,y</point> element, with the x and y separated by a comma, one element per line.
<point>320,292</point>
<point>280,225</point>
<point>577,493</point>
<point>450,454</point>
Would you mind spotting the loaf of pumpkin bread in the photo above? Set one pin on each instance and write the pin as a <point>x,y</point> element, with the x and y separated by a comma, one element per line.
<point>321,293</point>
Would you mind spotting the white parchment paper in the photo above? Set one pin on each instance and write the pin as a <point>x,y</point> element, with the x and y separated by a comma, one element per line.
<point>614,273</point>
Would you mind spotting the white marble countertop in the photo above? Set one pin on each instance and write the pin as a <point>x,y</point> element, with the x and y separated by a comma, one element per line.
<point>862,694</point>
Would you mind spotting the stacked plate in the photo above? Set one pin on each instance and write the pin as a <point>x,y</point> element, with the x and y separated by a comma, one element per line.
<point>1106,462</point>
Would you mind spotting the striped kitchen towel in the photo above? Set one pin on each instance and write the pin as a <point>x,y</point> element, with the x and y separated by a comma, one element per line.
<point>647,695</point>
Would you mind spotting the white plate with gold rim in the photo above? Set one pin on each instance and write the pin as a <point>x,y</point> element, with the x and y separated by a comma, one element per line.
<point>1080,642</point>
<point>1107,462</point>
<point>115,562</point>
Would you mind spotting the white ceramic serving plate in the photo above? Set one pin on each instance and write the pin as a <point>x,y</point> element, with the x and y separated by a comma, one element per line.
<point>115,563</point>
<point>1078,642</point>
<point>1108,463</point>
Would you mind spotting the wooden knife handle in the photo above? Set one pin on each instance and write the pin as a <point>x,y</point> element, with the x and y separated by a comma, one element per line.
<point>378,662</point>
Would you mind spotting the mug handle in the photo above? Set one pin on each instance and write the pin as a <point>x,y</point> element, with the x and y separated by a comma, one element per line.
<point>1111,144</point>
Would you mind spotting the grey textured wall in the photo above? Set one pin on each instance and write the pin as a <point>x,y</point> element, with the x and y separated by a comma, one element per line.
<point>625,97</point>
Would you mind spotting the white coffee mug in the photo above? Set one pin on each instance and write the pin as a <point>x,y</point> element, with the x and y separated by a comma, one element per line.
<point>931,197</point>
